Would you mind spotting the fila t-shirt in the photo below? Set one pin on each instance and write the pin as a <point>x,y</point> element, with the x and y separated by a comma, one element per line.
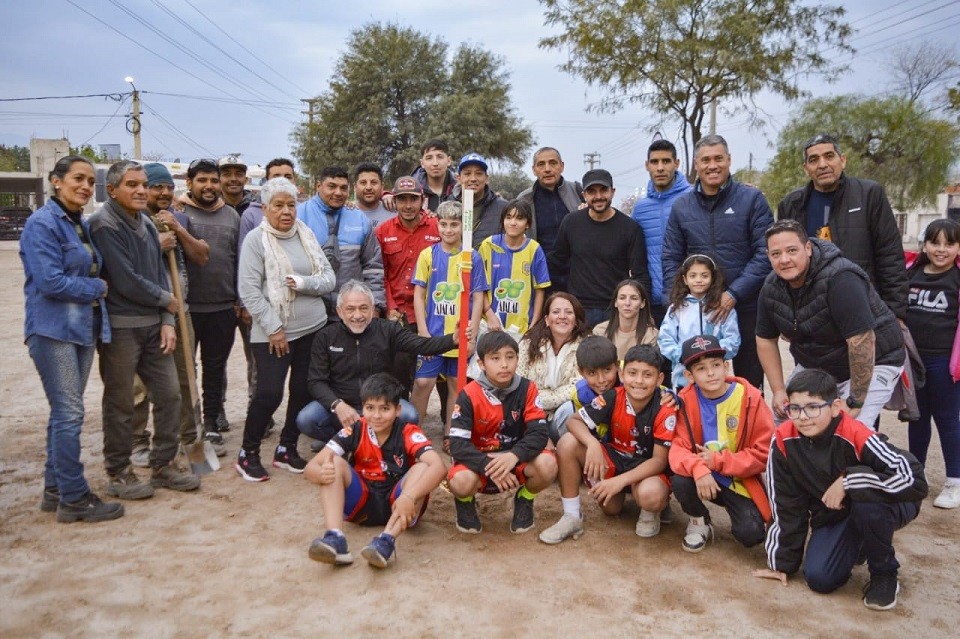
<point>932,307</point>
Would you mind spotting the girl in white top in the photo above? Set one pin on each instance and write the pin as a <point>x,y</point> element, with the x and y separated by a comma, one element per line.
<point>630,320</point>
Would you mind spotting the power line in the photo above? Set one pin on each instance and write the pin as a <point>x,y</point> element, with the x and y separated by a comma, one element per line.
<point>112,96</point>
<point>924,30</point>
<point>105,124</point>
<point>209,98</point>
<point>186,138</point>
<point>861,30</point>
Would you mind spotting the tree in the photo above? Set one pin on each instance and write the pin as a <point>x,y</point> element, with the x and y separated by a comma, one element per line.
<point>892,140</point>
<point>509,184</point>
<point>677,57</point>
<point>87,151</point>
<point>14,158</point>
<point>917,69</point>
<point>394,88</point>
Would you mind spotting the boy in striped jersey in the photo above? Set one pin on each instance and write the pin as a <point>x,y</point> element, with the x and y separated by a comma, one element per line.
<point>830,473</point>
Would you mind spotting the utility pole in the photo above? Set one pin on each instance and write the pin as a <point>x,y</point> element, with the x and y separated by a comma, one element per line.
<point>591,158</point>
<point>133,123</point>
<point>311,108</point>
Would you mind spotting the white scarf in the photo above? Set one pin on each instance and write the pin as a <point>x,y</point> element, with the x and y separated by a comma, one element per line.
<point>277,264</point>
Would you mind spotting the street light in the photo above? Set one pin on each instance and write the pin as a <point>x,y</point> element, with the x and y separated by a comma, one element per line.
<point>133,122</point>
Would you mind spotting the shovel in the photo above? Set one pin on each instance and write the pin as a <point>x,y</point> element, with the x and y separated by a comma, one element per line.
<point>202,456</point>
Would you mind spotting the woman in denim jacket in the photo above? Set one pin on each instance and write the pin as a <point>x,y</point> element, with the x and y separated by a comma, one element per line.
<point>64,318</point>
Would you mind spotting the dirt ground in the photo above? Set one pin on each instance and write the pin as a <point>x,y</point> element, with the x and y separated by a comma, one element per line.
<point>231,560</point>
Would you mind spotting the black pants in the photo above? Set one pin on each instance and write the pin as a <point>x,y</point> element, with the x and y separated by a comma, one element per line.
<point>271,373</point>
<point>745,519</point>
<point>214,334</point>
<point>747,364</point>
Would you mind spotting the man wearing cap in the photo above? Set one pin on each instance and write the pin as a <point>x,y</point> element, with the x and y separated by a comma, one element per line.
<point>487,205</point>
<point>852,213</point>
<point>602,246</point>
<point>724,219</point>
<point>368,187</point>
<point>233,182</point>
<point>213,286</point>
<point>401,239</point>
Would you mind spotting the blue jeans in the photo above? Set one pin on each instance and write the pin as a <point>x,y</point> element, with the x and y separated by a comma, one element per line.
<point>596,315</point>
<point>319,423</point>
<point>939,399</point>
<point>64,369</point>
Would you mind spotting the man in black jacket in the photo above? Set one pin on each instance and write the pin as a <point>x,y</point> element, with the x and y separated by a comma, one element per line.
<point>346,353</point>
<point>852,213</point>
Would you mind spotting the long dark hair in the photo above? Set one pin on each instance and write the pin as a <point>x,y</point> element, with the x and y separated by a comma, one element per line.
<point>680,290</point>
<point>644,317</point>
<point>951,233</point>
<point>539,332</point>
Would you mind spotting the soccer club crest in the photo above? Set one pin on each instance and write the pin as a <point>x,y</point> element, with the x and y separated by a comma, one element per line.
<point>515,414</point>
<point>732,423</point>
<point>398,459</point>
<point>670,423</point>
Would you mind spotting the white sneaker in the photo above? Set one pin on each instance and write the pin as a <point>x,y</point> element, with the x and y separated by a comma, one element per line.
<point>140,458</point>
<point>567,526</point>
<point>949,497</point>
<point>699,532</point>
<point>648,524</point>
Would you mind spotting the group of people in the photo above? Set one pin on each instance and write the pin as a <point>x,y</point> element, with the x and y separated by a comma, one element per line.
<point>576,314</point>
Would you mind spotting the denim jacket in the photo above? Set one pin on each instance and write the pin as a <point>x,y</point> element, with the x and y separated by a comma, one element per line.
<point>58,290</point>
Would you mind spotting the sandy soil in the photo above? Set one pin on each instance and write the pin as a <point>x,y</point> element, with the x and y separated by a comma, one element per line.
<point>230,560</point>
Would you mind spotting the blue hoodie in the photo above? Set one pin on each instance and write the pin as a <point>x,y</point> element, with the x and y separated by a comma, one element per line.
<point>652,213</point>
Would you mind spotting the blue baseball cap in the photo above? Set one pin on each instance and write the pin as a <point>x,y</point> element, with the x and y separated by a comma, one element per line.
<point>472,158</point>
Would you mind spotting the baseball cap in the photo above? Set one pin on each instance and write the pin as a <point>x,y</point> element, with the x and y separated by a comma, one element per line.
<point>472,158</point>
<point>407,185</point>
<point>597,176</point>
<point>700,346</point>
<point>233,159</point>
<point>157,174</point>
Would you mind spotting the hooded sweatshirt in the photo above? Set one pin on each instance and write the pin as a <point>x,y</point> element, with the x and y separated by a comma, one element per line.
<point>213,286</point>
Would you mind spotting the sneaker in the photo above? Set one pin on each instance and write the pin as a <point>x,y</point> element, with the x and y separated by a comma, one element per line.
<point>666,515</point>
<point>468,521</point>
<point>50,499</point>
<point>699,532</point>
<point>249,466</point>
<point>171,477</point>
<point>213,437</point>
<point>648,524</point>
<point>522,515</point>
<point>288,458</point>
<point>89,508</point>
<point>140,458</point>
<point>222,424</point>
<point>881,591</point>
<point>126,485</point>
<point>949,497</point>
<point>379,552</point>
<point>331,549</point>
<point>567,526</point>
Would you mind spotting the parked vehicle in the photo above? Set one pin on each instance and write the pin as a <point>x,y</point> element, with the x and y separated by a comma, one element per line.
<point>12,219</point>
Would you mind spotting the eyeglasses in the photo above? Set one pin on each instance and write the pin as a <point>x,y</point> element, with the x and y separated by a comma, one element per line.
<point>811,411</point>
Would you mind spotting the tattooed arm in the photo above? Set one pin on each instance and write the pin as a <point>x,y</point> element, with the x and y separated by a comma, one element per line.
<point>861,350</point>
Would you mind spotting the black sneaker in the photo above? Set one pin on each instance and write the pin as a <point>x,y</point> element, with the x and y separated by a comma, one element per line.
<point>50,499</point>
<point>249,466</point>
<point>468,521</point>
<point>522,515</point>
<point>331,549</point>
<point>288,458</point>
<point>89,508</point>
<point>213,437</point>
<point>379,553</point>
<point>881,591</point>
<point>222,424</point>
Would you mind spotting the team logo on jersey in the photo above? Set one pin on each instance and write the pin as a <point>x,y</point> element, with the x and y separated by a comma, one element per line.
<point>515,414</point>
<point>445,299</point>
<point>732,422</point>
<point>670,423</point>
<point>598,402</point>
<point>456,412</point>
<point>537,402</point>
<point>418,438</point>
<point>508,294</point>
<point>398,459</point>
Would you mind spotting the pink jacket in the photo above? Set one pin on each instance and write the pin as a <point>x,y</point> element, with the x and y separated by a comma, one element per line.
<point>911,257</point>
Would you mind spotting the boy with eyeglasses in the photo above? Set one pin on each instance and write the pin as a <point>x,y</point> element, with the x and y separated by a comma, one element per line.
<point>830,475</point>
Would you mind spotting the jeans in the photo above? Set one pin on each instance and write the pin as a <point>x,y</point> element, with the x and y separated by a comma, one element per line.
<point>215,333</point>
<point>596,315</point>
<point>64,369</point>
<point>319,423</point>
<point>271,373</point>
<point>939,399</point>
<point>136,351</point>
<point>746,522</point>
<point>882,383</point>
<point>833,550</point>
<point>558,425</point>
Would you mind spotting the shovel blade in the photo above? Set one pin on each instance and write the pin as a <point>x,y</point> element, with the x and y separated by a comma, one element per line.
<point>203,459</point>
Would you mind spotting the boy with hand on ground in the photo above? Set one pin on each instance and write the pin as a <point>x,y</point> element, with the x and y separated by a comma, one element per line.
<point>837,479</point>
<point>598,365</point>
<point>632,454</point>
<point>497,437</point>
<point>720,447</point>
<point>394,471</point>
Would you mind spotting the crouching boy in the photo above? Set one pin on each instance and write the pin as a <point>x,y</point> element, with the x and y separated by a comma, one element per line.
<point>497,437</point>
<point>598,365</point>
<point>720,447</point>
<point>394,470</point>
<point>844,483</point>
<point>631,455</point>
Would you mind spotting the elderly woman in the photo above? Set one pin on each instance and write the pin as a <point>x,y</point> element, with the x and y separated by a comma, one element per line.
<point>281,277</point>
<point>64,317</point>
<point>548,352</point>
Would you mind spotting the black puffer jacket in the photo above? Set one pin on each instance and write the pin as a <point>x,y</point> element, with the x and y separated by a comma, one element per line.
<point>862,225</point>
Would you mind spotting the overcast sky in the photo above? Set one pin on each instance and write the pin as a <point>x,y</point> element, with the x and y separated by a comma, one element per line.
<point>54,48</point>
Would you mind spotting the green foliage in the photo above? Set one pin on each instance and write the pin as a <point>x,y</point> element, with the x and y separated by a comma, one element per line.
<point>90,153</point>
<point>394,88</point>
<point>14,158</point>
<point>675,57</point>
<point>511,183</point>
<point>892,140</point>
<point>953,98</point>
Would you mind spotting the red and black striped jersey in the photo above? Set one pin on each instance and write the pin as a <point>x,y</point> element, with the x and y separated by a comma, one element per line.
<point>380,462</point>
<point>631,435</point>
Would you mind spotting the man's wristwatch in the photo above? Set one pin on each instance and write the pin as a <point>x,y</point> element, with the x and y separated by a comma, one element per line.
<point>335,403</point>
<point>853,403</point>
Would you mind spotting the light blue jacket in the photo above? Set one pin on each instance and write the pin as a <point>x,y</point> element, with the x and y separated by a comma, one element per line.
<point>652,213</point>
<point>679,325</point>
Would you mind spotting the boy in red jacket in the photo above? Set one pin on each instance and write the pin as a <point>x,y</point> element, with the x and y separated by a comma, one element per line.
<point>720,447</point>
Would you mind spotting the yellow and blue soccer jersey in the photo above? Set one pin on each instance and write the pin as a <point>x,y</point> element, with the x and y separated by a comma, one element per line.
<point>720,420</point>
<point>514,275</point>
<point>438,273</point>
